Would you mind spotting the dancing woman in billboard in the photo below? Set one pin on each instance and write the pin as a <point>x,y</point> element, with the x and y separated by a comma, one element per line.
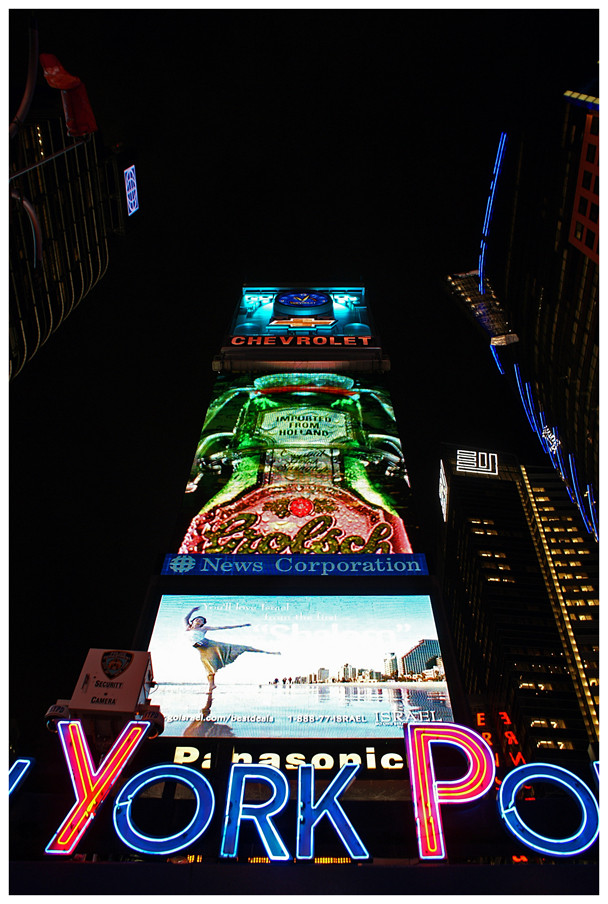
<point>215,654</point>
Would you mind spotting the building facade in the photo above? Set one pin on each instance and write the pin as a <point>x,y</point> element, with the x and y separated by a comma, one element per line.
<point>520,580</point>
<point>68,196</point>
<point>534,293</point>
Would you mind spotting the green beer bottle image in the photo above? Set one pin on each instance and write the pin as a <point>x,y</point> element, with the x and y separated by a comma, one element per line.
<point>300,480</point>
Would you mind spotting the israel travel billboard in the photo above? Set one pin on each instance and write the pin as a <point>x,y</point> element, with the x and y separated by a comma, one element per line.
<point>297,666</point>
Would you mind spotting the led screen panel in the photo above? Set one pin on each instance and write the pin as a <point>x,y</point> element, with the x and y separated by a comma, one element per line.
<point>298,463</point>
<point>297,666</point>
<point>315,312</point>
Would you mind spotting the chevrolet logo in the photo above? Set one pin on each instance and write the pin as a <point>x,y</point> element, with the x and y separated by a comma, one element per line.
<point>303,322</point>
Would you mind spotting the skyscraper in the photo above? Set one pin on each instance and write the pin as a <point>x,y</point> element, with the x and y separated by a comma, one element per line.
<point>519,578</point>
<point>535,291</point>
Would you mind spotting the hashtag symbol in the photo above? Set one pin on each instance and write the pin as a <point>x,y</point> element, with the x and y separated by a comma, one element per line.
<point>182,564</point>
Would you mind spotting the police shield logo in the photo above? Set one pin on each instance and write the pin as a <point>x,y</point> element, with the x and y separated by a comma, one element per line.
<point>115,662</point>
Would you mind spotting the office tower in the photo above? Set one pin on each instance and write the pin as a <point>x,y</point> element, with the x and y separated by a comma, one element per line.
<point>534,292</point>
<point>519,579</point>
<point>68,196</point>
<point>423,656</point>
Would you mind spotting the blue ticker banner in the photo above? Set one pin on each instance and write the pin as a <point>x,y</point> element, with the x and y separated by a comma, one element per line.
<point>405,564</point>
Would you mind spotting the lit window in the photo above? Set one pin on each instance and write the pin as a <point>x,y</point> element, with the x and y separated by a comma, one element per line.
<point>565,745</point>
<point>539,723</point>
<point>545,743</point>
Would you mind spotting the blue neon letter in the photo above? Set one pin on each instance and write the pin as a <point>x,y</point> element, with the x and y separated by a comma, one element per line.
<point>16,773</point>
<point>130,834</point>
<point>261,814</point>
<point>588,829</point>
<point>310,813</point>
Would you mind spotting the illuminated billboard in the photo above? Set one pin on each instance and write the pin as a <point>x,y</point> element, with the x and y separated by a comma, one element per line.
<point>301,312</point>
<point>274,324</point>
<point>298,463</point>
<point>297,666</point>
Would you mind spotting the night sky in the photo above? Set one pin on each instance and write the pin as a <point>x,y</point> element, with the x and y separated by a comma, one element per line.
<point>330,146</point>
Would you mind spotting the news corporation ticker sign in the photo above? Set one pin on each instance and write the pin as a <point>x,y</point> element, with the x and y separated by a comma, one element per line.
<point>361,565</point>
<point>92,786</point>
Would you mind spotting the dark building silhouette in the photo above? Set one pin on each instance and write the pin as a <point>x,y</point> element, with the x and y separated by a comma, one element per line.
<point>67,196</point>
<point>535,291</point>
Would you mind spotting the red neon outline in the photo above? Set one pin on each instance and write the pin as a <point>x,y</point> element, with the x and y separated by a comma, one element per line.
<point>428,793</point>
<point>91,785</point>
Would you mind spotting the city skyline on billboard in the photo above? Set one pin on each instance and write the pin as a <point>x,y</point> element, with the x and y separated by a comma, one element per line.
<point>298,463</point>
<point>296,666</point>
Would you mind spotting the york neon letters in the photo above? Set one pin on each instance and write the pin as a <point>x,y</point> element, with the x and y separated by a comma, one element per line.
<point>429,795</point>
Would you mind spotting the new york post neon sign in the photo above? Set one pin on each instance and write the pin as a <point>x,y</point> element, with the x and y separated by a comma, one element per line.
<point>430,795</point>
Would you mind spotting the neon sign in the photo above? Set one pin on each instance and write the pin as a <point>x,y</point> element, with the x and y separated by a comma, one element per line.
<point>17,773</point>
<point>131,190</point>
<point>91,785</point>
<point>588,828</point>
<point>429,795</point>
<point>130,834</point>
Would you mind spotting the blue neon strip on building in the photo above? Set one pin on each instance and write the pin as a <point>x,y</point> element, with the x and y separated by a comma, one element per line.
<point>490,206</point>
<point>577,493</point>
<point>522,395</point>
<point>497,359</point>
<point>592,510</point>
